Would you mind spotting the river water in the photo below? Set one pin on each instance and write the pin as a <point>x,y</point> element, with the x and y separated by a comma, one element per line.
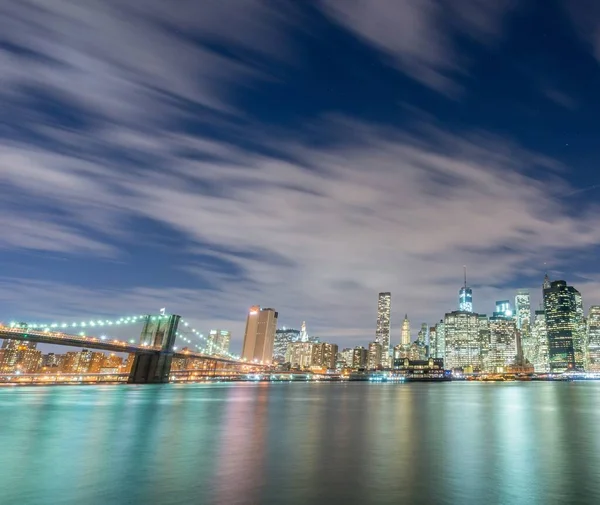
<point>296,443</point>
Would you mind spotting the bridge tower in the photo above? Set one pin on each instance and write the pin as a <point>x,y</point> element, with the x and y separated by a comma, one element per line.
<point>154,365</point>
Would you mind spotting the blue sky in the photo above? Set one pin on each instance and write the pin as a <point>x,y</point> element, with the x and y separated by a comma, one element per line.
<point>208,156</point>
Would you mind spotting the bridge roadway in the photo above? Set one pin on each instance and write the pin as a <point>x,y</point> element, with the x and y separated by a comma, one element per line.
<point>59,338</point>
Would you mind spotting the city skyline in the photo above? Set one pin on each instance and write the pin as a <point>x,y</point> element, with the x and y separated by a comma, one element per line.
<point>388,169</point>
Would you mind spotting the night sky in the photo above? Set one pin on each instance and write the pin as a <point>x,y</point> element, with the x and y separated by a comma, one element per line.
<point>208,156</point>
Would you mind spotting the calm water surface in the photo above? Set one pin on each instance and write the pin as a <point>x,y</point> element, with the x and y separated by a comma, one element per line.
<point>359,443</point>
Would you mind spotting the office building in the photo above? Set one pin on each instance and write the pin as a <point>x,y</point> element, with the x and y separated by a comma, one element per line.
<point>283,338</point>
<point>359,357</point>
<point>324,355</point>
<point>382,332</point>
<point>564,326</point>
<point>593,339</point>
<point>300,354</point>
<point>440,338</point>
<point>503,309</point>
<point>503,343</point>
<point>217,343</point>
<point>523,309</point>
<point>19,357</point>
<point>345,357</point>
<point>374,359</point>
<point>539,336</point>
<point>405,335</point>
<point>462,341</point>
<point>432,342</point>
<point>259,336</point>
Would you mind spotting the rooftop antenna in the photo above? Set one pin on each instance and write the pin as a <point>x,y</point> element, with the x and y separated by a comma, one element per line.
<point>465,267</point>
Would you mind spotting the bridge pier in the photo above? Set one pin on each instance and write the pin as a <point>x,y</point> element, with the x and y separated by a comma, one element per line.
<point>154,367</point>
<point>151,368</point>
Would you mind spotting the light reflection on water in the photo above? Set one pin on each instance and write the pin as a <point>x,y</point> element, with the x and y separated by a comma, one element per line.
<point>295,443</point>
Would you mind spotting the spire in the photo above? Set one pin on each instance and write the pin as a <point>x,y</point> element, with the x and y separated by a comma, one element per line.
<point>465,267</point>
<point>546,284</point>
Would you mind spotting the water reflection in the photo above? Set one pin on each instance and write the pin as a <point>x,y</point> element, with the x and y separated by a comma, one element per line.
<point>512,443</point>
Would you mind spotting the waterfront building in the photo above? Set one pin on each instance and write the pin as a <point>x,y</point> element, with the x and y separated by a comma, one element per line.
<point>405,335</point>
<point>259,336</point>
<point>325,355</point>
<point>95,363</point>
<point>346,357</point>
<point>593,339</point>
<point>462,341</point>
<point>440,337</point>
<point>382,332</point>
<point>217,343</point>
<point>374,359</point>
<point>503,343</point>
<point>300,354</point>
<point>432,342</point>
<point>19,357</point>
<point>539,336</point>
<point>565,327</point>
<point>359,357</point>
<point>427,369</point>
<point>283,338</point>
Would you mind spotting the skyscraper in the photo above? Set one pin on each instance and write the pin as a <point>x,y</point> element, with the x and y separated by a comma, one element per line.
<point>218,342</point>
<point>465,297</point>
<point>259,335</point>
<point>593,339</point>
<point>283,338</point>
<point>462,342</point>
<point>539,336</point>
<point>503,343</point>
<point>440,337</point>
<point>375,358</point>
<point>405,337</point>
<point>564,325</point>
<point>523,309</point>
<point>503,309</point>
<point>382,332</point>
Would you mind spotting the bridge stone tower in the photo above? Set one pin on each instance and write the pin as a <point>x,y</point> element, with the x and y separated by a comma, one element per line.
<point>154,365</point>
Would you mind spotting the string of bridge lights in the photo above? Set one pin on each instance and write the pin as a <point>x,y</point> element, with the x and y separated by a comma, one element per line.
<point>84,324</point>
<point>201,336</point>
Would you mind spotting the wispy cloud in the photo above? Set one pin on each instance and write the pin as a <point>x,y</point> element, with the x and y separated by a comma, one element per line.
<point>421,35</point>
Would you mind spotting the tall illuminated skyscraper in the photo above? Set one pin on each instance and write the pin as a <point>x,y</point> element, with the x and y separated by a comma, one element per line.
<point>523,309</point>
<point>564,324</point>
<point>465,297</point>
<point>405,336</point>
<point>539,336</point>
<point>593,339</point>
<point>382,332</point>
<point>503,342</point>
<point>218,342</point>
<point>462,342</point>
<point>259,335</point>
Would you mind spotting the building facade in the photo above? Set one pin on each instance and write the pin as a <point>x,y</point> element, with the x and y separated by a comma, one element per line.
<point>503,343</point>
<point>405,334</point>
<point>259,336</point>
<point>462,342</point>
<point>217,342</point>
<point>375,359</point>
<point>565,327</point>
<point>593,339</point>
<point>382,332</point>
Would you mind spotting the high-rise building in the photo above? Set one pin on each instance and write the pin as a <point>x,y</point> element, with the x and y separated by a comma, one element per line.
<point>382,332</point>
<point>359,357</point>
<point>374,359</point>
<point>405,336</point>
<point>485,340</point>
<point>465,297</point>
<point>503,343</point>
<point>539,336</point>
<point>440,336</point>
<point>462,341</point>
<point>346,357</point>
<point>433,342</point>
<point>564,325</point>
<point>283,338</point>
<point>523,309</point>
<point>19,357</point>
<point>217,343</point>
<point>300,354</point>
<point>593,339</point>
<point>259,336</point>
<point>503,309</point>
<point>324,355</point>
